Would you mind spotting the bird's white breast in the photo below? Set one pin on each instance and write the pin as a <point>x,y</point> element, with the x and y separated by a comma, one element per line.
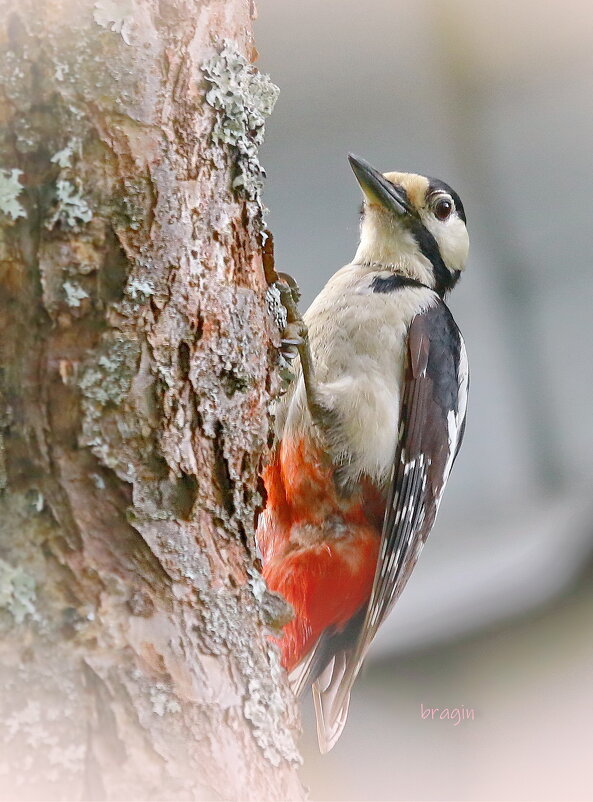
<point>358,340</point>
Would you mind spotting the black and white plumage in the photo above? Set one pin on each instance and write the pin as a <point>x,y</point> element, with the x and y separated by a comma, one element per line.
<point>432,423</point>
<point>389,366</point>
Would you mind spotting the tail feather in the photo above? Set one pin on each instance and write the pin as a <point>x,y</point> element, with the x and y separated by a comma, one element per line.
<point>301,676</point>
<point>330,721</point>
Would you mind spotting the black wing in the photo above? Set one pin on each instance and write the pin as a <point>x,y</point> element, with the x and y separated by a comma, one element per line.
<point>432,423</point>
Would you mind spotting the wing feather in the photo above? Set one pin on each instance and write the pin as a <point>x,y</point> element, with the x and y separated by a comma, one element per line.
<point>432,421</point>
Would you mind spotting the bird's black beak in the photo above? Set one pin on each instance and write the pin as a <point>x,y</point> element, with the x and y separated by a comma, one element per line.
<point>377,189</point>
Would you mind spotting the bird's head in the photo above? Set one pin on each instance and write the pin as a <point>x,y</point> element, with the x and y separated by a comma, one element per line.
<point>413,224</point>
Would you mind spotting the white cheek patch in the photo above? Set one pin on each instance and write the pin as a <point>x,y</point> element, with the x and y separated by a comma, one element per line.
<point>452,238</point>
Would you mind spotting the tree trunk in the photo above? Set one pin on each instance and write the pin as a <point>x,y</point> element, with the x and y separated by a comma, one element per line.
<point>137,365</point>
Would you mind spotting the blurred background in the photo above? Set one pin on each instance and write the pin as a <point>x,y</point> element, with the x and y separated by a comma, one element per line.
<point>497,100</point>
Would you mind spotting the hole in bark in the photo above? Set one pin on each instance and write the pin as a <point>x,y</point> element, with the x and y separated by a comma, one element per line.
<point>185,495</point>
<point>183,360</point>
<point>244,219</point>
<point>243,538</point>
<point>157,465</point>
<point>261,489</point>
<point>223,477</point>
<point>198,327</point>
<point>198,415</point>
<point>114,271</point>
<point>156,312</point>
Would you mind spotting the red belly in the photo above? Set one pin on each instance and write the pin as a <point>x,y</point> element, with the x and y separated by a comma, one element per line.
<point>319,550</point>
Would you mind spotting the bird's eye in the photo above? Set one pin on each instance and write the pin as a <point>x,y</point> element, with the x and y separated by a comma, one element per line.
<point>443,208</point>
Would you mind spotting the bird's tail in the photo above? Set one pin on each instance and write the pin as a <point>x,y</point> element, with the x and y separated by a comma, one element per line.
<point>331,720</point>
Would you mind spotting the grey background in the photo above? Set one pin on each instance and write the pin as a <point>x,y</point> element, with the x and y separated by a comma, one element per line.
<point>496,100</point>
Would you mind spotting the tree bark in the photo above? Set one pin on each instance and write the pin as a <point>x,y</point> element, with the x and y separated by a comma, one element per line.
<point>137,365</point>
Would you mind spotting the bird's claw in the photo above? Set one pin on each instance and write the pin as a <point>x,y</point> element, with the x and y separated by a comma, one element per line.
<point>295,332</point>
<point>295,340</point>
<point>292,338</point>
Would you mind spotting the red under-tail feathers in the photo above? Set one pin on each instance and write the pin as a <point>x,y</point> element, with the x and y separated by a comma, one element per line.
<point>319,550</point>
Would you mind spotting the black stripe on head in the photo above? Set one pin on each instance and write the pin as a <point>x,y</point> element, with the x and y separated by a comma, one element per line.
<point>444,279</point>
<point>434,185</point>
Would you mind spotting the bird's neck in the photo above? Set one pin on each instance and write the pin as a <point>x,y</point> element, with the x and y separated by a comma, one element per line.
<point>392,247</point>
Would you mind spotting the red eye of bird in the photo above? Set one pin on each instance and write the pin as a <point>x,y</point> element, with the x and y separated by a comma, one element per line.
<point>443,208</point>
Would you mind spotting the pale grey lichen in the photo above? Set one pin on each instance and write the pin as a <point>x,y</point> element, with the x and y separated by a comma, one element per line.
<point>162,701</point>
<point>24,719</point>
<point>108,379</point>
<point>10,189</point>
<point>265,708</point>
<point>69,758</point>
<point>63,158</point>
<point>17,592</point>
<point>265,703</point>
<point>74,293</point>
<point>61,70</point>
<point>35,500</point>
<point>140,289</point>
<point>72,209</point>
<point>243,97</point>
<point>274,610</point>
<point>105,383</point>
<point>257,585</point>
<point>116,16</point>
<point>276,308</point>
<point>98,481</point>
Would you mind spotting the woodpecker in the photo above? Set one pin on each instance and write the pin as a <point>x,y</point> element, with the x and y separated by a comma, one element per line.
<point>366,434</point>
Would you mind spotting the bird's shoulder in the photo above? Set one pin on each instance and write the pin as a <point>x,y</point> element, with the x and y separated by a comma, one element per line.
<point>437,349</point>
<point>366,298</point>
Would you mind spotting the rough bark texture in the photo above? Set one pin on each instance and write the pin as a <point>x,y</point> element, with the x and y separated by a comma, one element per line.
<point>137,364</point>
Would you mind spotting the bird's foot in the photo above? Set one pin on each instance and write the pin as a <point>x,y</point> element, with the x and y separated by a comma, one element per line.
<point>295,331</point>
<point>295,340</point>
<point>292,337</point>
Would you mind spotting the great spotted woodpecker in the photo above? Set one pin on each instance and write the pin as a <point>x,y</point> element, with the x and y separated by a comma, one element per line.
<point>367,433</point>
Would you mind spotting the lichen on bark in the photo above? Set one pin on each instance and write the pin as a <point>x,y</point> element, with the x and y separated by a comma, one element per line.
<point>138,360</point>
<point>243,97</point>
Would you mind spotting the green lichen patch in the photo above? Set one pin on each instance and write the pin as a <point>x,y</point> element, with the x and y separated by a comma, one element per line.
<point>243,97</point>
<point>17,592</point>
<point>10,189</point>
